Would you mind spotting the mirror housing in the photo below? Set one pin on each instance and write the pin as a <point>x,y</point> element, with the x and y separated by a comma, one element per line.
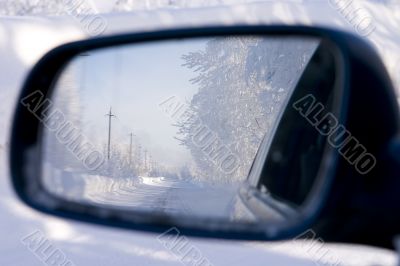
<point>364,103</point>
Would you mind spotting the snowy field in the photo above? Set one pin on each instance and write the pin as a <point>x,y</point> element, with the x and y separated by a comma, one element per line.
<point>23,40</point>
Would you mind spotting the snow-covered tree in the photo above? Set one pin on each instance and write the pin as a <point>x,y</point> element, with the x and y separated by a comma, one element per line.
<point>242,84</point>
<point>118,166</point>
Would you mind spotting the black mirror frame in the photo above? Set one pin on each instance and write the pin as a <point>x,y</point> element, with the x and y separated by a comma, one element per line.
<point>25,144</point>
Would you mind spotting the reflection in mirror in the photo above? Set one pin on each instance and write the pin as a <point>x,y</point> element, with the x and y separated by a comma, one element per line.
<point>171,126</point>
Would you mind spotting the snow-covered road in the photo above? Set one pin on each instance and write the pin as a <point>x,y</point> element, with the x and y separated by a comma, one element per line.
<point>143,193</point>
<point>161,194</point>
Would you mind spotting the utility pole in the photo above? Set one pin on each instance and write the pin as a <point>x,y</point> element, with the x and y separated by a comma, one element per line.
<point>150,163</point>
<point>145,160</point>
<point>139,156</point>
<point>109,133</point>
<point>130,148</point>
<point>155,167</point>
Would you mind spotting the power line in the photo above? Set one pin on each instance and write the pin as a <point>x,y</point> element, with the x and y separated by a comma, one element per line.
<point>130,148</point>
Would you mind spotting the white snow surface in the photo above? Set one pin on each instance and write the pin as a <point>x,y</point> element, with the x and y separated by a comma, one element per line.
<point>24,40</point>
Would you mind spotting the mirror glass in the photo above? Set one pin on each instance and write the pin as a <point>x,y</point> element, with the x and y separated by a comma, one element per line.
<point>170,127</point>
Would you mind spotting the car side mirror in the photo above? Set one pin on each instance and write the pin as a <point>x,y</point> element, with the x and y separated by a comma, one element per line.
<point>226,132</point>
